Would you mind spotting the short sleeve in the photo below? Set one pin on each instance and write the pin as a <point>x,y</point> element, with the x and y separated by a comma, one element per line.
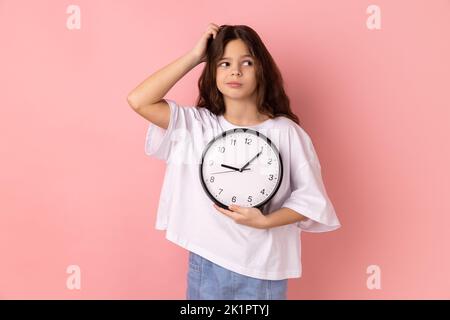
<point>308,195</point>
<point>159,142</point>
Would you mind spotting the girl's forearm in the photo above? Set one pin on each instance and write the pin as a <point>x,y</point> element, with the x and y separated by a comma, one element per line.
<point>156,86</point>
<point>283,216</point>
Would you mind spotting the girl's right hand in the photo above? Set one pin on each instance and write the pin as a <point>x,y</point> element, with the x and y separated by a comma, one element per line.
<point>199,51</point>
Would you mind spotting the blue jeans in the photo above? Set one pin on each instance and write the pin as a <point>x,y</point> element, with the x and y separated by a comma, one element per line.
<point>208,281</point>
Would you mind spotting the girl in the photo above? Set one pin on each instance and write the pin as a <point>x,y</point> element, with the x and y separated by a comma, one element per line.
<point>235,252</point>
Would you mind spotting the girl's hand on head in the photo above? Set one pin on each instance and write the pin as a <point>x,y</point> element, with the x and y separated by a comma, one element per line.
<point>252,217</point>
<point>199,51</point>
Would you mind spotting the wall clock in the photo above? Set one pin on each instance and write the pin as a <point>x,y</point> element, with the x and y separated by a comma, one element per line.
<point>241,166</point>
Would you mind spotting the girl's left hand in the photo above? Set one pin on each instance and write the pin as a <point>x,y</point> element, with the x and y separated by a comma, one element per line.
<point>252,217</point>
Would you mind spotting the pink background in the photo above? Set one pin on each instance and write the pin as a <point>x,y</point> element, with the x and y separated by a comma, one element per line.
<point>77,188</point>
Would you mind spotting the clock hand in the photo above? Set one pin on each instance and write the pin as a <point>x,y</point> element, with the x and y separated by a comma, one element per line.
<point>240,170</point>
<point>229,167</point>
<point>227,171</point>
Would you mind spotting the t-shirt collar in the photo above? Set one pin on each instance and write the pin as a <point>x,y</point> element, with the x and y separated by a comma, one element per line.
<point>226,125</point>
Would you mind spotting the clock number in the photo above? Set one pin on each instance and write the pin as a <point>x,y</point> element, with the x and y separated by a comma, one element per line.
<point>248,140</point>
<point>249,199</point>
<point>270,161</point>
<point>233,199</point>
<point>211,179</point>
<point>220,190</point>
<point>233,142</point>
<point>270,176</point>
<point>221,149</point>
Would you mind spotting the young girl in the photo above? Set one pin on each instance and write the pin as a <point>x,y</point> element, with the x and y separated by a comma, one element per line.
<point>238,252</point>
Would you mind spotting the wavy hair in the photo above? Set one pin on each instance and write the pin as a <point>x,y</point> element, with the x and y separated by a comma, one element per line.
<point>271,97</point>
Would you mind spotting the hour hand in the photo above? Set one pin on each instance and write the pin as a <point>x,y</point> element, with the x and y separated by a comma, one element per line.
<point>229,167</point>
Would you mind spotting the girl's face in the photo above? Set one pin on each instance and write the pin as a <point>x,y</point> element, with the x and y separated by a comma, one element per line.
<point>239,67</point>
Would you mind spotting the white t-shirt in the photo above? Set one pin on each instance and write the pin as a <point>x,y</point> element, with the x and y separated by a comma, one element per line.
<point>187,213</point>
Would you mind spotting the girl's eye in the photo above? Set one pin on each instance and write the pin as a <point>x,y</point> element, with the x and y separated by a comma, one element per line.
<point>243,61</point>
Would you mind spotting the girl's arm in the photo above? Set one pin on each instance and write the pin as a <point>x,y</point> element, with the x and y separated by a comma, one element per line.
<point>283,216</point>
<point>146,98</point>
<point>155,87</point>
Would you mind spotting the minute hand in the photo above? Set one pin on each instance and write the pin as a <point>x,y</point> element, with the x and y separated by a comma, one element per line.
<point>241,169</point>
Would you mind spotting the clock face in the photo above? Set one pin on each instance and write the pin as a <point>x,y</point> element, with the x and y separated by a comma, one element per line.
<point>241,166</point>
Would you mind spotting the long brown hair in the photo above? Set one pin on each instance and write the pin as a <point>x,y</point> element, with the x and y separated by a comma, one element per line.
<point>271,97</point>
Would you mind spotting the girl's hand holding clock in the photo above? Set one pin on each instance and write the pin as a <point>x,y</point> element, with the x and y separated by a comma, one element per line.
<point>252,217</point>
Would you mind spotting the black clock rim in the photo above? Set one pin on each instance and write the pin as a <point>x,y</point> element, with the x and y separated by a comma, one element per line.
<point>224,134</point>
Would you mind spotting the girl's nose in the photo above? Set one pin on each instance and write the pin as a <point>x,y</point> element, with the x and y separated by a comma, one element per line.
<point>236,72</point>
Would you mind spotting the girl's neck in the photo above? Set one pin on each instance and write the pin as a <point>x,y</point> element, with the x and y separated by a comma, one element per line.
<point>243,112</point>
